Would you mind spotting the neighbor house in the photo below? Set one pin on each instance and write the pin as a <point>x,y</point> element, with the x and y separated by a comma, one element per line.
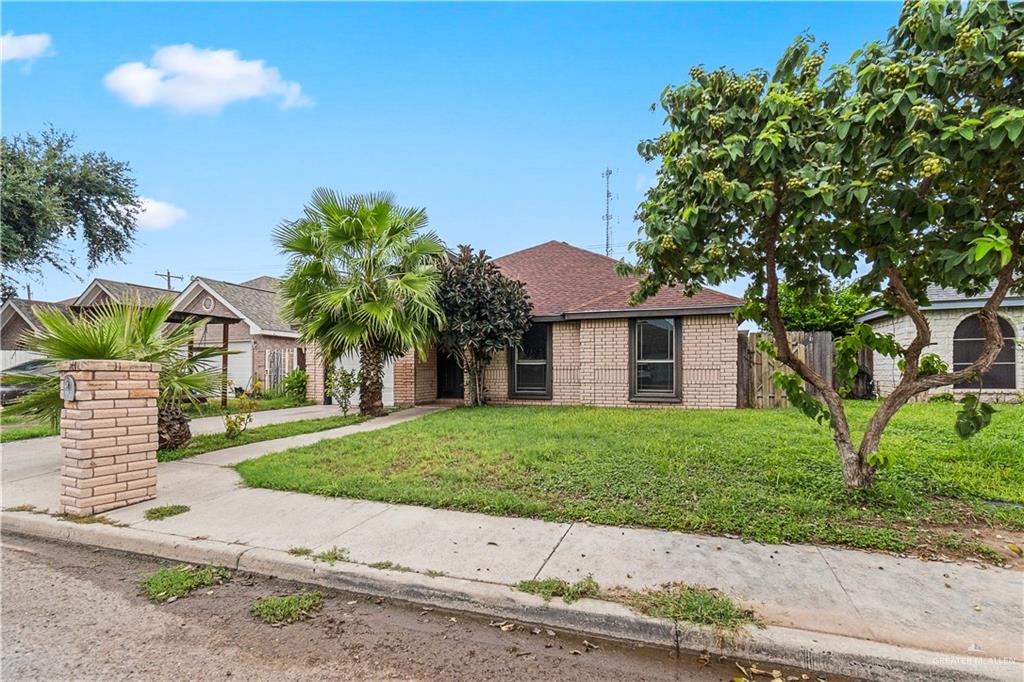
<point>246,317</point>
<point>588,346</point>
<point>17,319</point>
<point>957,338</point>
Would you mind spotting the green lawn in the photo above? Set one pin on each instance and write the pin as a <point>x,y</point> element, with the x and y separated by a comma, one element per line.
<point>212,406</point>
<point>25,430</point>
<point>767,475</point>
<point>254,434</point>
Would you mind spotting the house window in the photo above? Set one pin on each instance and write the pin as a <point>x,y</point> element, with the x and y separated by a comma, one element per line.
<point>530,364</point>
<point>968,340</point>
<point>655,352</point>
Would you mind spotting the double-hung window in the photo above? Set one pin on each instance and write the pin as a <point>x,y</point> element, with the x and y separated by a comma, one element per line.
<point>530,364</point>
<point>655,352</point>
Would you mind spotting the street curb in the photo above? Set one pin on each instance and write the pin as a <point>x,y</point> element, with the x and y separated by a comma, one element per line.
<point>832,654</point>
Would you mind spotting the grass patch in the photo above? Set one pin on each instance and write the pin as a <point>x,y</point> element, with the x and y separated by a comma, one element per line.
<point>300,551</point>
<point>158,513</point>
<point>289,609</point>
<point>212,407</point>
<point>332,555</point>
<point>765,475</point>
<point>88,520</point>
<point>431,573</point>
<point>556,587</point>
<point>169,584</point>
<point>26,431</point>
<point>683,603</point>
<point>218,441</point>
<point>390,566</point>
<point>20,508</point>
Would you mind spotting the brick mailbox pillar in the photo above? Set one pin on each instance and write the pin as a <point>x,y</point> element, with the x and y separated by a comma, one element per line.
<point>108,434</point>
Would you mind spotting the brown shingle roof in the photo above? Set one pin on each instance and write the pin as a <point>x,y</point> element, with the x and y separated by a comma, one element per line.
<point>563,279</point>
<point>145,294</point>
<point>27,309</point>
<point>260,306</point>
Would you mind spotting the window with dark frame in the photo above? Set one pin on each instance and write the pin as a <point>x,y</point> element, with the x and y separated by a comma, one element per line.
<point>969,339</point>
<point>654,358</point>
<point>530,368</point>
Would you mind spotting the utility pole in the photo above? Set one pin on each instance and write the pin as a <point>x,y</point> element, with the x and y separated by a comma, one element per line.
<point>607,175</point>
<point>168,276</point>
<point>28,292</point>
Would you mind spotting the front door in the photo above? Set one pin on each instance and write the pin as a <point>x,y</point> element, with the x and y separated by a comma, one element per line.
<point>449,377</point>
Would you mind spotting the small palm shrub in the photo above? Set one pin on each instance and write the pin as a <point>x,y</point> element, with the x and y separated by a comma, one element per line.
<point>125,330</point>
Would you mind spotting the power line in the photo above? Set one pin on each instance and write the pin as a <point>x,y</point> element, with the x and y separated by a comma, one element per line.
<point>168,276</point>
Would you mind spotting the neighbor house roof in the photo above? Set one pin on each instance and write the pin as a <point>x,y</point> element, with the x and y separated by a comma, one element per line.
<point>567,282</point>
<point>24,308</point>
<point>263,282</point>
<point>946,298</point>
<point>120,291</point>
<point>260,307</point>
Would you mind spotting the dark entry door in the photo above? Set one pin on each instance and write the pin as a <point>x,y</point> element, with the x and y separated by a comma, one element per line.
<point>449,377</point>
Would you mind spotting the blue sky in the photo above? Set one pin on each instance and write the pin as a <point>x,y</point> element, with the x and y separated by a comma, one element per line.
<point>497,118</point>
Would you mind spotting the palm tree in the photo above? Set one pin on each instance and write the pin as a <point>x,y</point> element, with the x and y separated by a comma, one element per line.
<point>362,277</point>
<point>124,330</point>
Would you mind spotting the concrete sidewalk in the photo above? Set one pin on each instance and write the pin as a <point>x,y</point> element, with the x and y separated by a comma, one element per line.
<point>22,459</point>
<point>956,609</point>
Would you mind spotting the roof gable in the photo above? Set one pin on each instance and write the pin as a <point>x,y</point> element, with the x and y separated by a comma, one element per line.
<point>564,280</point>
<point>261,308</point>
<point>108,289</point>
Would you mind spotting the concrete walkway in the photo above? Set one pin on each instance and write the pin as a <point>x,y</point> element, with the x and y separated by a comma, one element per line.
<point>956,608</point>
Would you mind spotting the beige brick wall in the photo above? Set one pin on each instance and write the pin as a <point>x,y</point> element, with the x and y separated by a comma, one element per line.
<point>315,374</point>
<point>709,372</point>
<point>108,435</point>
<point>591,365</point>
<point>943,323</point>
<point>415,378</point>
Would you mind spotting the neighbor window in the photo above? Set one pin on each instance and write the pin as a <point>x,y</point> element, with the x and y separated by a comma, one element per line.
<point>530,366</point>
<point>968,340</point>
<point>654,357</point>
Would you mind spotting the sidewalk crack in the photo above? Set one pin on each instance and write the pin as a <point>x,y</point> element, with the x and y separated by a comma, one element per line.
<point>553,550</point>
<point>839,582</point>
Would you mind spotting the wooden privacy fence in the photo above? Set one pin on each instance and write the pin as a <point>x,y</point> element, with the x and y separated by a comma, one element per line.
<point>755,387</point>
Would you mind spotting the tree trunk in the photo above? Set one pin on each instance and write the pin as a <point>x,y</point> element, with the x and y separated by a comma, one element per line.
<point>173,429</point>
<point>475,373</point>
<point>371,383</point>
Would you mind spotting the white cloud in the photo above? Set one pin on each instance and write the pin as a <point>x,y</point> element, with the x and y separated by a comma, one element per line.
<point>159,215</point>
<point>190,79</point>
<point>25,47</point>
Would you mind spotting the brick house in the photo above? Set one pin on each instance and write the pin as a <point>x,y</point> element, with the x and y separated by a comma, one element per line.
<point>588,346</point>
<point>957,338</point>
<point>246,317</point>
<point>265,345</point>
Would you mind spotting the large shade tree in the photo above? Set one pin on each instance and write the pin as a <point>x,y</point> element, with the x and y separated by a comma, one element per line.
<point>903,169</point>
<point>53,196</point>
<point>362,277</point>
<point>485,312</point>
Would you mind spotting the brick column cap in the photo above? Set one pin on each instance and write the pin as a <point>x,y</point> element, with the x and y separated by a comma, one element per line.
<point>107,366</point>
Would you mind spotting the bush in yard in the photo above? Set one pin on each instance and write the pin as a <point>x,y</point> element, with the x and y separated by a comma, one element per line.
<point>126,331</point>
<point>917,172</point>
<point>342,384</point>
<point>362,277</point>
<point>235,424</point>
<point>293,384</point>
<point>833,309</point>
<point>484,312</point>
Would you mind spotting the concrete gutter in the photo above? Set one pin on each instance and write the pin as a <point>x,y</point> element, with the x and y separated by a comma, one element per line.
<point>825,653</point>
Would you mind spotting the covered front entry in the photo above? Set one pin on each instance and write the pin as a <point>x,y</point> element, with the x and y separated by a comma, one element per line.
<point>450,382</point>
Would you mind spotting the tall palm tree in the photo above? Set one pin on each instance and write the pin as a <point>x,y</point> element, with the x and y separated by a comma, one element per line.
<point>124,330</point>
<point>362,277</point>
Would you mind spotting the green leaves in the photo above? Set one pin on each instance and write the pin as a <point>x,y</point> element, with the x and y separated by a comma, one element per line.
<point>973,416</point>
<point>793,386</point>
<point>997,239</point>
<point>363,271</point>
